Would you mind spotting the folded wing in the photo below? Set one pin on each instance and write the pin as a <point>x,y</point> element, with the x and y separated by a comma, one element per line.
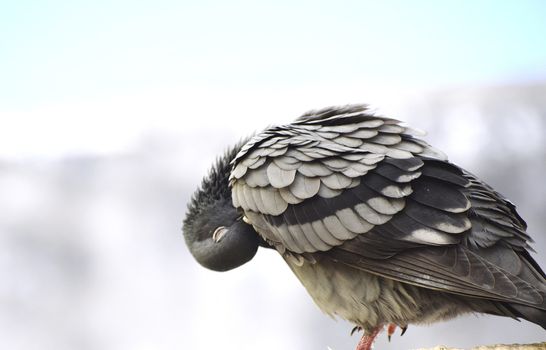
<point>365,191</point>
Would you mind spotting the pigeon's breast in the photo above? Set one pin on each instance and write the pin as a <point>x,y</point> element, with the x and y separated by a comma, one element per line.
<point>369,300</point>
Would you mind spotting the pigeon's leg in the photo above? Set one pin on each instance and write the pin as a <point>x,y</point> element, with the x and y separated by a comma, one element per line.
<point>390,330</point>
<point>367,339</point>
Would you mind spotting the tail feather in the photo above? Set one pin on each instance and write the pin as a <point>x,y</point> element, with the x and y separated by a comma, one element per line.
<point>534,275</point>
<point>531,314</point>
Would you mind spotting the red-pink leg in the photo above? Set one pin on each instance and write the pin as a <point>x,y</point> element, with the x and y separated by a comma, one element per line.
<point>390,330</point>
<point>366,341</point>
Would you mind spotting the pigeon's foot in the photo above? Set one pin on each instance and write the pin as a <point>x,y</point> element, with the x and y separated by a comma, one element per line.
<point>367,339</point>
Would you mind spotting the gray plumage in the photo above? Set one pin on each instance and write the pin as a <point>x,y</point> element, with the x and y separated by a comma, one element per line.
<point>378,226</point>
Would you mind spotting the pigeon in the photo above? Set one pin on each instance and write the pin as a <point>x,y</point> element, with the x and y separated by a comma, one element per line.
<point>379,227</point>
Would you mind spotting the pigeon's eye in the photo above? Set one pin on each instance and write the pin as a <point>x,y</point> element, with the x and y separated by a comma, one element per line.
<point>219,233</point>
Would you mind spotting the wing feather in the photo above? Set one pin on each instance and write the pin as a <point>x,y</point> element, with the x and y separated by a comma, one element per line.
<point>279,177</point>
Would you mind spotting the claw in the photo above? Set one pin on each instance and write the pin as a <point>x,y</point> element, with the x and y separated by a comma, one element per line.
<point>390,330</point>
<point>356,329</point>
<point>404,329</point>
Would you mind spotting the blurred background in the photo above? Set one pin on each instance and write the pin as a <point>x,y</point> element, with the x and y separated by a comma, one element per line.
<point>112,111</point>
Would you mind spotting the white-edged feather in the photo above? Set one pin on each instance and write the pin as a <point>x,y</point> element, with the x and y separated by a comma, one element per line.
<point>279,177</point>
<point>305,187</point>
<point>353,222</point>
<point>336,181</point>
<point>370,215</point>
<point>314,169</point>
<point>336,228</point>
<point>386,206</point>
<point>323,233</point>
<point>258,177</point>
<point>327,192</point>
<point>273,202</point>
<point>288,196</point>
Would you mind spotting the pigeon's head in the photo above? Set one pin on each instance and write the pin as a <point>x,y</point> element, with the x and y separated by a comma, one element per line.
<point>214,231</point>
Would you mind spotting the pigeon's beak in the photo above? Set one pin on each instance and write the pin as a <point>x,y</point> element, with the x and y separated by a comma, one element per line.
<point>245,220</point>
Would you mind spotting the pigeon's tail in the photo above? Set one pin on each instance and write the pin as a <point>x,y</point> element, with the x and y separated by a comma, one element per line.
<point>530,303</point>
<point>530,314</point>
<point>535,276</point>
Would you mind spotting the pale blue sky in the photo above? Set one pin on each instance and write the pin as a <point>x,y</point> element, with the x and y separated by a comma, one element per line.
<point>49,49</point>
<point>58,52</point>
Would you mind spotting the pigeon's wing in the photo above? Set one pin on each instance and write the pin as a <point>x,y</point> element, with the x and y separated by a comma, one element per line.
<point>293,181</point>
<point>487,260</point>
<point>364,191</point>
